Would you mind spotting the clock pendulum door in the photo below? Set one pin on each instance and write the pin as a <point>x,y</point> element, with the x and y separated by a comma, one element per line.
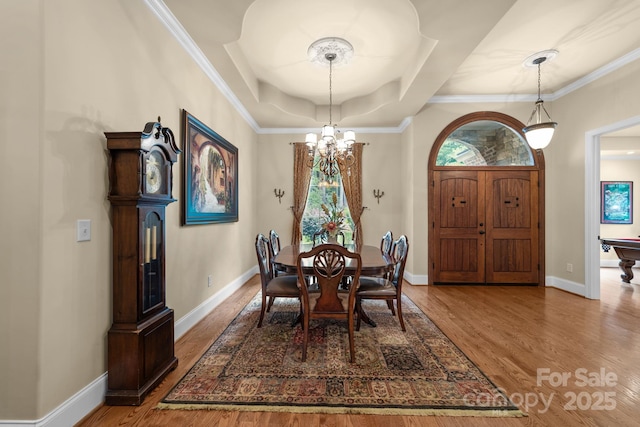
<point>152,275</point>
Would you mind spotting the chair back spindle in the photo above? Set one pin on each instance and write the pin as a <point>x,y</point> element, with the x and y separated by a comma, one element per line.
<point>264,262</point>
<point>387,242</point>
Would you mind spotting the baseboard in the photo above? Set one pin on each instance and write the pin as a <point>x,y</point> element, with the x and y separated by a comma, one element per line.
<point>566,285</point>
<point>554,282</point>
<point>609,263</point>
<point>190,319</point>
<point>72,410</point>
<point>416,279</point>
<point>90,397</point>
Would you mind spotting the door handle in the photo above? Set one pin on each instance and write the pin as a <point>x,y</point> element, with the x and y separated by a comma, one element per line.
<point>481,232</point>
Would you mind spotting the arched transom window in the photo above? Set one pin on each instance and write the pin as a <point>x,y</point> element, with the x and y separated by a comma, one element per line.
<point>484,143</point>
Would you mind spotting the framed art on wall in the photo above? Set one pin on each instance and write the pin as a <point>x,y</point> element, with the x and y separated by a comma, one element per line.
<point>210,180</point>
<point>616,202</point>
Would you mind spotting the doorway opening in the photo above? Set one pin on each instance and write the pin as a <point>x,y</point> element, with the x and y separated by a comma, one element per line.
<point>592,203</point>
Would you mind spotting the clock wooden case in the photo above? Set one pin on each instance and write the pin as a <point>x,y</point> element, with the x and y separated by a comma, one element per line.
<point>141,338</point>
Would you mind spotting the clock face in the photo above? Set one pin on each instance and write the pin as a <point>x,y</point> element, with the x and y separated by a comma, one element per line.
<point>153,173</point>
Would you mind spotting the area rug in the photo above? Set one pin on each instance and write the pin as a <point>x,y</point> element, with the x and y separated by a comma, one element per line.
<point>417,372</point>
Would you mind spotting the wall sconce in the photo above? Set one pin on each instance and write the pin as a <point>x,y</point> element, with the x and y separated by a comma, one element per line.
<point>279,193</point>
<point>377,194</point>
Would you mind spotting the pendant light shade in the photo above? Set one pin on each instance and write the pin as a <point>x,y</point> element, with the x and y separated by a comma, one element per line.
<point>539,134</point>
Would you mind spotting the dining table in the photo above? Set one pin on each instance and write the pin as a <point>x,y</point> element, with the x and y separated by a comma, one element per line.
<point>374,262</point>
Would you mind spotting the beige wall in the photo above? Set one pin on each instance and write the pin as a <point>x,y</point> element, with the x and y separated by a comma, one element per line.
<point>74,69</point>
<point>21,179</point>
<point>80,69</point>
<point>610,99</point>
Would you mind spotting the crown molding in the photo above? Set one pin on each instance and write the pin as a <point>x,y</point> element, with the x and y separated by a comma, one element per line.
<point>633,157</point>
<point>301,131</point>
<point>169,20</point>
<point>470,99</point>
<point>597,74</point>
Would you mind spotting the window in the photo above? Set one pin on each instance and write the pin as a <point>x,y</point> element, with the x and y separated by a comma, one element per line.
<point>484,143</point>
<point>321,192</point>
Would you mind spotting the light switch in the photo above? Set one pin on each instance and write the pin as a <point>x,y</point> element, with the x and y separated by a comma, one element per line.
<point>83,230</point>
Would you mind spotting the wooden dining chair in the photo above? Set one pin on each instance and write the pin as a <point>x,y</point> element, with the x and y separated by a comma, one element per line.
<point>329,263</point>
<point>389,289</point>
<point>274,249</point>
<point>285,286</point>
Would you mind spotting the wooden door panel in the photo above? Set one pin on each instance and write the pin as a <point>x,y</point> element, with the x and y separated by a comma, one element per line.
<point>457,219</point>
<point>510,199</point>
<point>512,227</point>
<point>512,255</point>
<point>459,202</point>
<point>459,260</point>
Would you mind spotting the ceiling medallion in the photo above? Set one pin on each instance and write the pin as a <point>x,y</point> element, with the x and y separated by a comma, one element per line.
<point>540,57</point>
<point>342,49</point>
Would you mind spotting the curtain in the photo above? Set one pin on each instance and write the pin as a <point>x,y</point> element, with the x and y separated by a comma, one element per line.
<point>301,181</point>
<point>352,185</point>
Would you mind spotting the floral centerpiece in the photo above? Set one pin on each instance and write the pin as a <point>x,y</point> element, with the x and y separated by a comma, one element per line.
<point>334,218</point>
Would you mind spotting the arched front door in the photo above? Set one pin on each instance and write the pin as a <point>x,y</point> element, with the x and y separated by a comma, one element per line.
<point>486,203</point>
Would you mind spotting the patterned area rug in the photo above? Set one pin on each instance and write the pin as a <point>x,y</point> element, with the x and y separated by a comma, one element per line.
<point>417,372</point>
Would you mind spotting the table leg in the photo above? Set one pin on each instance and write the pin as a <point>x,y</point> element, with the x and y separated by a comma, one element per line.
<point>297,320</point>
<point>625,265</point>
<point>366,319</point>
<point>362,315</point>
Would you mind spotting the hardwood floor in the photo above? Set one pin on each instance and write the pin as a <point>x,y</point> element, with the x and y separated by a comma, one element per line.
<point>509,332</point>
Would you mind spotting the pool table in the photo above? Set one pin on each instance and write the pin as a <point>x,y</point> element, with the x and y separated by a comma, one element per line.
<point>628,250</point>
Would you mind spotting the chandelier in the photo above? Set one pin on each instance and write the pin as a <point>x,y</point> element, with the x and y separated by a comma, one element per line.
<point>332,150</point>
<point>540,133</point>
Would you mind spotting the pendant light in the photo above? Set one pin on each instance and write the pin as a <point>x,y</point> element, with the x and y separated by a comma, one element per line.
<point>539,133</point>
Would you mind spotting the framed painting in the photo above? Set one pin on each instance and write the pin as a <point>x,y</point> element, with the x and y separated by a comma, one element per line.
<point>616,202</point>
<point>210,180</point>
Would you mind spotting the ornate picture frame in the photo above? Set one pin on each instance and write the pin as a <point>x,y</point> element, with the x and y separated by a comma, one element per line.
<point>616,202</point>
<point>210,175</point>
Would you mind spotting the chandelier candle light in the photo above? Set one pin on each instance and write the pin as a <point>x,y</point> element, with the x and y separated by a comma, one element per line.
<point>540,133</point>
<point>333,151</point>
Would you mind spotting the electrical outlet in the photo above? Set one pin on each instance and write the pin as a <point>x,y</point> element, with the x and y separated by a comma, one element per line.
<point>209,281</point>
<point>570,268</point>
<point>83,230</point>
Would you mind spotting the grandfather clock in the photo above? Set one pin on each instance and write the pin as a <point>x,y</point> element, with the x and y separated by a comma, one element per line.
<point>141,338</point>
